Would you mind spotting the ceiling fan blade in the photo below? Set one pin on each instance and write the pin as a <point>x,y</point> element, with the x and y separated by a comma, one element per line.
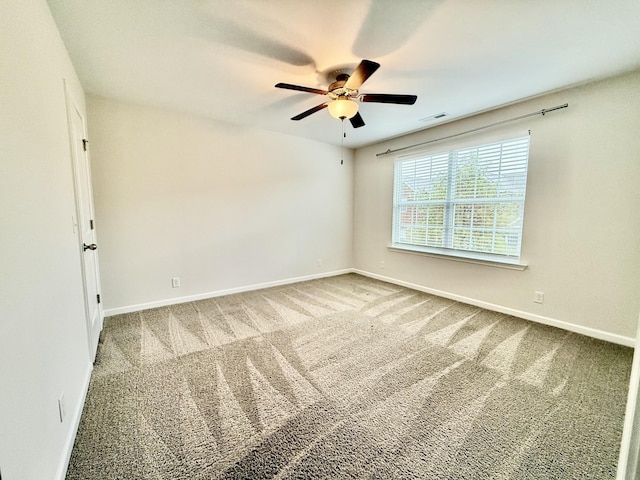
<point>376,39</point>
<point>361,73</point>
<point>387,98</point>
<point>357,121</point>
<point>299,88</point>
<point>306,113</point>
<point>245,37</point>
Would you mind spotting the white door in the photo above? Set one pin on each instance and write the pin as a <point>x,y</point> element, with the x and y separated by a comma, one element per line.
<point>85,224</point>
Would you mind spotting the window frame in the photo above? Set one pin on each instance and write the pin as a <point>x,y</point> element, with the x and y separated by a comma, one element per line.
<point>427,162</point>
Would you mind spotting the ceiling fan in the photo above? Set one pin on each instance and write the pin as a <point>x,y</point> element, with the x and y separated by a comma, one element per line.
<point>344,91</point>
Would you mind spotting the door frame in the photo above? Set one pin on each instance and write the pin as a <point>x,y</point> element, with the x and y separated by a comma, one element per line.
<point>629,459</point>
<point>71,109</point>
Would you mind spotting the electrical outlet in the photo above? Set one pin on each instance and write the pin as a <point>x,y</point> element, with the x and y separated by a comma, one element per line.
<point>61,407</point>
<point>538,297</point>
<point>175,282</point>
<point>382,264</point>
<point>319,262</point>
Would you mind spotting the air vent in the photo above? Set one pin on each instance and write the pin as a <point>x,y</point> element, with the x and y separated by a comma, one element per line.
<point>433,118</point>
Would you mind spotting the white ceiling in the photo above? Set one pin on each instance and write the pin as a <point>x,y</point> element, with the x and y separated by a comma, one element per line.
<point>222,58</point>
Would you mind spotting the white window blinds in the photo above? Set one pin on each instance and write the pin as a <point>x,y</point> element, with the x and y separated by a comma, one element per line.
<point>468,200</point>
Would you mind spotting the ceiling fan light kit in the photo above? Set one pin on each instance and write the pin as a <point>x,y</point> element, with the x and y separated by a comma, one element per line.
<point>343,107</point>
<point>345,90</point>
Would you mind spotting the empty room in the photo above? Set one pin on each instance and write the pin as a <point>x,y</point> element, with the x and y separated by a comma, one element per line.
<point>357,239</point>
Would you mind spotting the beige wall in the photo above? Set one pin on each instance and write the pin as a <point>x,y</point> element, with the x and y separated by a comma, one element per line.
<point>219,206</point>
<point>581,237</point>
<point>225,208</point>
<point>43,337</point>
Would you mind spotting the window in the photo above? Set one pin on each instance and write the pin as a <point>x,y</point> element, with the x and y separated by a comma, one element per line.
<point>467,202</point>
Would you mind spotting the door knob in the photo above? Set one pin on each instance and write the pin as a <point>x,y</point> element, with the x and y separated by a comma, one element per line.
<point>86,247</point>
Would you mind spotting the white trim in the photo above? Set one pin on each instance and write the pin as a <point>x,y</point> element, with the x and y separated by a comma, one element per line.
<point>73,431</point>
<point>219,293</point>
<point>458,256</point>
<point>629,446</point>
<point>590,332</point>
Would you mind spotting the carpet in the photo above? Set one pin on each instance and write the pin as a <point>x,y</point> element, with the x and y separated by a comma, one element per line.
<point>348,377</point>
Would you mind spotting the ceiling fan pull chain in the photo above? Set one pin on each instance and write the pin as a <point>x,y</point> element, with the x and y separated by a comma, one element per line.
<point>342,144</point>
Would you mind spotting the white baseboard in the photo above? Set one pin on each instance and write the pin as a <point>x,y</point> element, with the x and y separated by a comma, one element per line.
<point>73,430</point>
<point>590,332</point>
<point>219,293</point>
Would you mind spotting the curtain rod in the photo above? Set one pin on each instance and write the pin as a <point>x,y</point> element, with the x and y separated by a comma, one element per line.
<point>539,112</point>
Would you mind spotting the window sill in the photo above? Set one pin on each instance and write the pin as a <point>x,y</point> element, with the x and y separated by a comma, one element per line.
<point>467,257</point>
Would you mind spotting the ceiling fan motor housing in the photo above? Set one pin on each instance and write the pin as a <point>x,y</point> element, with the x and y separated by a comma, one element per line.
<point>337,88</point>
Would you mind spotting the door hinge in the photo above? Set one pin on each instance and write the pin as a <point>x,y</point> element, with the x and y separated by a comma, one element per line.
<point>91,224</point>
<point>98,297</point>
<point>84,144</point>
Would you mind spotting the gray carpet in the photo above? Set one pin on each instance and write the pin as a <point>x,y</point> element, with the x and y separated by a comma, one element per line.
<point>348,377</point>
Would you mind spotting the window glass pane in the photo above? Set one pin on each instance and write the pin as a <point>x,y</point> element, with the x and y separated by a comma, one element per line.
<point>461,238</point>
<point>476,194</point>
<point>481,240</point>
<point>506,243</point>
<point>462,215</point>
<point>436,215</point>
<point>484,215</point>
<point>419,236</point>
<point>508,214</point>
<point>435,237</point>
